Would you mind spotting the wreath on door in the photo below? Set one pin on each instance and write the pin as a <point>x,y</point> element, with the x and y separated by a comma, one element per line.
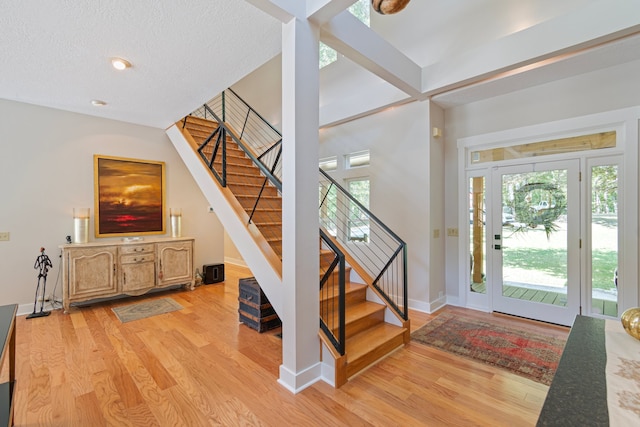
<point>537,204</point>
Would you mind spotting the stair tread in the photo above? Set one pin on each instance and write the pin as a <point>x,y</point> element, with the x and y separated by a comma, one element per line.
<point>248,184</point>
<point>356,311</point>
<point>364,342</point>
<point>361,309</point>
<point>252,196</point>
<point>370,337</point>
<point>259,209</point>
<point>267,223</point>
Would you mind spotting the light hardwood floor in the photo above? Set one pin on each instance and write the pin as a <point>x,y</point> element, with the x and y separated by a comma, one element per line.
<point>199,366</point>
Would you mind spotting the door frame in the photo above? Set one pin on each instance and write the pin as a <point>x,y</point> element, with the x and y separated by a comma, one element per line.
<point>563,315</point>
<point>625,122</point>
<point>587,296</point>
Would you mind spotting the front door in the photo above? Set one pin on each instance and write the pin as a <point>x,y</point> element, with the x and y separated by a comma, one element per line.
<point>535,241</point>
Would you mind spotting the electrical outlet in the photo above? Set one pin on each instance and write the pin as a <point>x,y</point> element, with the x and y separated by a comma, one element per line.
<point>4,236</point>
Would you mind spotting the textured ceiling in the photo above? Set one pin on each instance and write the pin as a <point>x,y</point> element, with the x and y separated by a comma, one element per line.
<point>184,52</point>
<point>57,54</point>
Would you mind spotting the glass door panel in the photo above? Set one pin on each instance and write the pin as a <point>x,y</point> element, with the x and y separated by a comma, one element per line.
<point>604,239</point>
<point>537,241</point>
<point>477,223</point>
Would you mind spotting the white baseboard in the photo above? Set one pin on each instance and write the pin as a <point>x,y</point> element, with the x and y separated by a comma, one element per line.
<point>295,382</point>
<point>235,261</point>
<point>26,309</point>
<point>428,307</point>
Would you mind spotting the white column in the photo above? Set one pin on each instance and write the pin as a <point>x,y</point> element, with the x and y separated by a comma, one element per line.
<point>300,247</point>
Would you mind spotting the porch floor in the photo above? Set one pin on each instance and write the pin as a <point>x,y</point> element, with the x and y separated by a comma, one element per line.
<point>600,306</point>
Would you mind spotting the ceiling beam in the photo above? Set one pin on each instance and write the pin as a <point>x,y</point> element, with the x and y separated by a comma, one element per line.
<point>322,11</point>
<point>346,34</point>
<point>587,27</point>
<point>283,10</point>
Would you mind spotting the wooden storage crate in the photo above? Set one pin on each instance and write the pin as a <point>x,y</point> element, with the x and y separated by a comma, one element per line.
<point>255,309</point>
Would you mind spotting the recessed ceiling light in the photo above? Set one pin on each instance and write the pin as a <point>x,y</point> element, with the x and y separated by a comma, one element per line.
<point>98,103</point>
<point>120,64</point>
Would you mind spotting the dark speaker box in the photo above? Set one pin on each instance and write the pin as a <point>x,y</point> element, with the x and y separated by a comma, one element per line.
<point>213,273</point>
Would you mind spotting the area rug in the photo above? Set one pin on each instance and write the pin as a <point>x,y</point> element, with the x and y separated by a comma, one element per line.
<point>519,351</point>
<point>142,310</point>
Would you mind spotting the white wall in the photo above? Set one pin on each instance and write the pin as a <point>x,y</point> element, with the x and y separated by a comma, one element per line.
<point>46,169</point>
<point>600,91</point>
<point>398,140</point>
<point>437,197</point>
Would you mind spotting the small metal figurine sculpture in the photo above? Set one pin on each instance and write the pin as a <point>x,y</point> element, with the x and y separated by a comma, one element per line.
<point>43,264</point>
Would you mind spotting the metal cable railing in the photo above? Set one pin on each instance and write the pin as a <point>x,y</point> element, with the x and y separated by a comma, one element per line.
<point>379,253</point>
<point>261,138</point>
<point>247,169</point>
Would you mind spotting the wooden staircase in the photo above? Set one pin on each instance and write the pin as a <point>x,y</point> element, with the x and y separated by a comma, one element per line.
<point>245,181</point>
<point>368,336</point>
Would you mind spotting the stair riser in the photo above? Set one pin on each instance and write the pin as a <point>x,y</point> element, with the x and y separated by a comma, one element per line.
<point>250,190</point>
<point>242,169</point>
<point>245,179</point>
<point>363,316</point>
<point>270,230</point>
<point>364,323</point>
<point>326,259</point>
<point>199,121</point>
<point>240,160</point>
<point>277,247</point>
<point>380,351</point>
<point>204,127</point>
<point>249,202</point>
<point>352,297</point>
<point>336,273</point>
<point>268,216</point>
<point>231,152</point>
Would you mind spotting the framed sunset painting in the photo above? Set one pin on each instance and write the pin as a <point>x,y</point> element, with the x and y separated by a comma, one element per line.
<point>129,196</point>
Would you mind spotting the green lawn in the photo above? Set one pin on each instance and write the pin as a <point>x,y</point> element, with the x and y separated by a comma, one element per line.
<point>554,262</point>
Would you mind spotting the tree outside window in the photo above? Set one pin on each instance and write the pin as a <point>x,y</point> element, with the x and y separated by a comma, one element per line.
<point>360,10</point>
<point>358,226</point>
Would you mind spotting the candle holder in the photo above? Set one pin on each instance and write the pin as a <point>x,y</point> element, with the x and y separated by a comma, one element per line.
<point>81,225</point>
<point>175,215</point>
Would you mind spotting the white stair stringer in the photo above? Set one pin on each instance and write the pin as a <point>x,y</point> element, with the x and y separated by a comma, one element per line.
<point>255,250</point>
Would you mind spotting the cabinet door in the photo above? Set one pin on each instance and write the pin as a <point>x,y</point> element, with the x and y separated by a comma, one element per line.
<point>175,263</point>
<point>137,273</point>
<point>92,273</point>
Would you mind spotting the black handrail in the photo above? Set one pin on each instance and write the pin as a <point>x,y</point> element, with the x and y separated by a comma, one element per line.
<point>336,333</point>
<point>383,254</point>
<point>262,119</point>
<point>263,168</point>
<point>262,143</point>
<point>360,206</point>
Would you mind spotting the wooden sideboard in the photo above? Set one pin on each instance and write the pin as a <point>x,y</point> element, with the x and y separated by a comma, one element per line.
<point>108,269</point>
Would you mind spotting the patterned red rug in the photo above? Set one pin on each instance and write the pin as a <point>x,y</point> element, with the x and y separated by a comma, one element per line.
<point>519,351</point>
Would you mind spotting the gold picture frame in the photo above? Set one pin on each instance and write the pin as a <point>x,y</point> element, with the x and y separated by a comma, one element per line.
<point>129,196</point>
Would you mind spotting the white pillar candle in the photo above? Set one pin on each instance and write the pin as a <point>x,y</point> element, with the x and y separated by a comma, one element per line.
<point>80,225</point>
<point>176,222</point>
